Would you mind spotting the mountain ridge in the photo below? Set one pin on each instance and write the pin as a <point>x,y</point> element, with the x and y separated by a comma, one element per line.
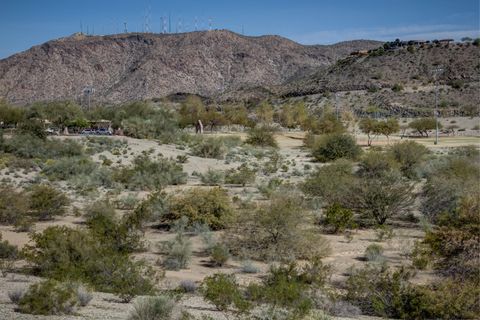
<point>138,66</point>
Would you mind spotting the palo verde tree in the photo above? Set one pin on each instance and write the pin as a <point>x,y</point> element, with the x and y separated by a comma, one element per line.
<point>373,128</point>
<point>423,125</point>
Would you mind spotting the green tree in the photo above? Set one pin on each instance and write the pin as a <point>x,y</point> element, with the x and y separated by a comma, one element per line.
<point>423,125</point>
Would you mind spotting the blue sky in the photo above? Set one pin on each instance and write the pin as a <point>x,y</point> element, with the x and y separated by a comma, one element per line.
<point>24,23</point>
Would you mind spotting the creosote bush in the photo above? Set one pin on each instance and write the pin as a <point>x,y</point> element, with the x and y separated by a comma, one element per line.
<point>211,207</point>
<point>338,218</point>
<point>160,307</point>
<point>47,202</point>
<point>335,146</point>
<point>261,136</point>
<point>148,174</point>
<point>279,229</point>
<point>64,253</point>
<point>48,298</point>
<point>243,175</point>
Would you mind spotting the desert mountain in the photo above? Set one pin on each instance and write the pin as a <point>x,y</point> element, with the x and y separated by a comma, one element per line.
<point>140,66</point>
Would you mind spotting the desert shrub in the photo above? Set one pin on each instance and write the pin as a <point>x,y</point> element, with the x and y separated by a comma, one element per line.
<point>154,207</point>
<point>178,250</point>
<point>146,174</point>
<point>28,146</point>
<point>376,164</point>
<point>331,183</point>
<point>219,255</point>
<point>448,180</point>
<point>66,168</point>
<point>63,253</point>
<point>188,286</point>
<point>382,292</point>
<point>120,234</point>
<point>249,267</point>
<point>279,229</point>
<point>48,298</point>
<point>243,175</point>
<point>409,155</point>
<point>273,164</point>
<point>453,245</point>
<point>338,218</point>
<point>84,295</point>
<point>327,123</point>
<point>127,202</point>
<point>374,253</point>
<point>7,250</point>
<point>397,87</point>
<point>335,146</point>
<point>268,189</point>
<point>383,232</point>
<point>13,205</point>
<point>261,136</point>
<point>223,291</point>
<point>146,122</point>
<point>210,148</point>
<point>212,177</point>
<point>16,295</point>
<point>154,308</point>
<point>288,286</point>
<point>101,144</point>
<point>382,198</point>
<point>47,202</point>
<point>211,207</point>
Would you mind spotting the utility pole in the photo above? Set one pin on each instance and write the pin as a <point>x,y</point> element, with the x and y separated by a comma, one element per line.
<point>436,71</point>
<point>336,105</point>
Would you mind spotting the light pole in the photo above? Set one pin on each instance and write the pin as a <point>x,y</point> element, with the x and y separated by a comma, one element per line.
<point>436,71</point>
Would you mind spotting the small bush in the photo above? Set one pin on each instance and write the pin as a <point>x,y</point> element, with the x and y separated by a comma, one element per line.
<point>242,176</point>
<point>223,291</point>
<point>261,136</point>
<point>249,267</point>
<point>47,202</point>
<point>16,295</point>
<point>188,286</point>
<point>397,87</point>
<point>7,250</point>
<point>409,155</point>
<point>339,218</point>
<point>154,308</point>
<point>212,177</point>
<point>48,298</point>
<point>179,253</point>
<point>13,205</point>
<point>219,255</point>
<point>84,295</point>
<point>374,253</point>
<point>335,146</point>
<point>210,148</point>
<point>211,207</point>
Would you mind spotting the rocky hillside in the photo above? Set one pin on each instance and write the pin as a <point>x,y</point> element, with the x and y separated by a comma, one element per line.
<point>409,66</point>
<point>140,66</point>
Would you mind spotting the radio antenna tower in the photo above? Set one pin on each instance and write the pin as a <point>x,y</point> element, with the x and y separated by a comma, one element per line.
<point>164,23</point>
<point>169,23</point>
<point>125,27</point>
<point>210,24</point>
<point>81,27</point>
<point>196,24</point>
<point>179,27</point>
